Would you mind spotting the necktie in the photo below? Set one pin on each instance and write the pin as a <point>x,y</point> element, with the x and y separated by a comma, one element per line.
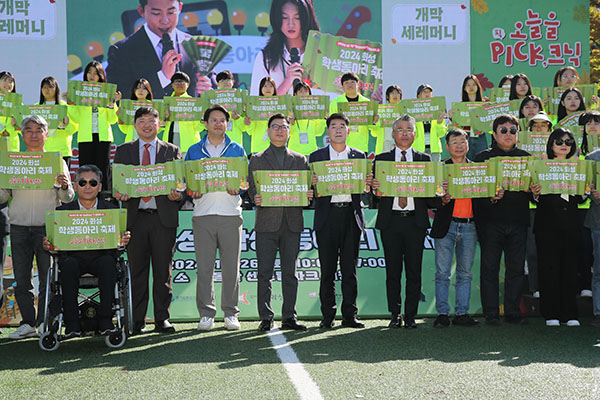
<point>403,201</point>
<point>146,161</point>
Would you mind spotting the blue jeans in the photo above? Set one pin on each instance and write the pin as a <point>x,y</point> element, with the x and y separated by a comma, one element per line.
<point>461,237</point>
<point>596,272</point>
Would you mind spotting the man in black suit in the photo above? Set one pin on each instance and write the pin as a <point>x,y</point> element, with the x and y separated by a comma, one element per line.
<point>154,52</point>
<point>153,222</point>
<point>339,221</point>
<point>100,263</point>
<point>403,222</point>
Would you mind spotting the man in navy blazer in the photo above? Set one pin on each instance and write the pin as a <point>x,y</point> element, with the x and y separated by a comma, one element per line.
<point>339,221</point>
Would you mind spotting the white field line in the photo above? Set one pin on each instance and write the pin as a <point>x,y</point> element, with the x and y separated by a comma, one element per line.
<point>305,386</point>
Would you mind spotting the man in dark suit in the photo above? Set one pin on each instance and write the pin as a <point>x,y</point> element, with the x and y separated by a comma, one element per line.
<point>339,221</point>
<point>153,222</point>
<point>277,228</point>
<point>154,52</point>
<point>100,263</point>
<point>403,222</point>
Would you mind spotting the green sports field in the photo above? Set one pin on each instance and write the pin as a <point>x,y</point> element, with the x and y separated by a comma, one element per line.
<point>506,362</point>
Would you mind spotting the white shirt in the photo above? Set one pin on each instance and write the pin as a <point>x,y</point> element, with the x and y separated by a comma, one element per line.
<point>410,203</point>
<point>334,155</point>
<point>151,204</point>
<point>177,37</point>
<point>94,207</point>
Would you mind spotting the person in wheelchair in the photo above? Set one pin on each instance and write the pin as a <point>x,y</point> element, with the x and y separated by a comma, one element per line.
<point>101,263</point>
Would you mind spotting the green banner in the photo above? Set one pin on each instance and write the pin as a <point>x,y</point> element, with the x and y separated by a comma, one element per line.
<point>424,109</point>
<point>283,188</point>
<point>216,174</point>
<point>483,117</point>
<point>148,180</point>
<point>502,94</point>
<point>327,58</point>
<point>91,94</point>
<point>8,101</point>
<point>127,109</point>
<point>593,142</point>
<point>261,108</point>
<point>341,176</point>
<point>461,116</point>
<point>35,171</point>
<point>571,177</point>
<point>54,114</point>
<point>206,51</point>
<point>72,230</point>
<point>310,107</point>
<point>534,143</point>
<point>553,94</point>
<point>513,173</point>
<point>185,108</point>
<point>471,180</point>
<point>359,113</point>
<point>230,99</point>
<point>410,179</point>
<point>388,114</point>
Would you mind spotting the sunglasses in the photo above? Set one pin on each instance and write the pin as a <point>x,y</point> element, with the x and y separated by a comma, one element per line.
<point>504,130</point>
<point>568,142</point>
<point>83,182</point>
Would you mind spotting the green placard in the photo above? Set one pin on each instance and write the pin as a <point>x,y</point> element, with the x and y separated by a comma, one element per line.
<point>483,117</point>
<point>571,177</point>
<point>553,95</point>
<point>230,99</point>
<point>8,101</point>
<point>261,108</point>
<point>91,94</point>
<point>424,109</point>
<point>388,113</point>
<point>72,230</point>
<point>534,143</point>
<point>341,176</point>
<point>502,94</point>
<point>462,112</point>
<point>513,173</point>
<point>593,142</point>
<point>25,170</point>
<point>206,51</point>
<point>54,114</point>
<point>359,113</point>
<point>216,174</point>
<point>310,107</point>
<point>282,188</point>
<point>185,108</point>
<point>127,109</point>
<point>410,179</point>
<point>471,180</point>
<point>148,180</point>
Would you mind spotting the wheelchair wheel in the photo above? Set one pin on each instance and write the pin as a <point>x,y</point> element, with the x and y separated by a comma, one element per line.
<point>49,341</point>
<point>127,301</point>
<point>47,312</point>
<point>116,340</point>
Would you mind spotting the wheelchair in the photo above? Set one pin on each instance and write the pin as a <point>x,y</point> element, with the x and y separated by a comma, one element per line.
<point>88,305</point>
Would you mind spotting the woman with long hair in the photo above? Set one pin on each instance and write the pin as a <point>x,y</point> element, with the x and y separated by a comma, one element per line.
<point>257,130</point>
<point>304,132</point>
<point>140,91</point>
<point>520,87</point>
<point>471,91</point>
<point>8,125</point>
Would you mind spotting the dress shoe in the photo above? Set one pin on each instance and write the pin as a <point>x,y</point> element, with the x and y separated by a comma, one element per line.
<point>265,325</point>
<point>396,322</point>
<point>409,323</point>
<point>164,327</point>
<point>292,323</point>
<point>352,323</point>
<point>442,321</point>
<point>139,328</point>
<point>106,327</point>
<point>464,320</point>
<point>327,324</point>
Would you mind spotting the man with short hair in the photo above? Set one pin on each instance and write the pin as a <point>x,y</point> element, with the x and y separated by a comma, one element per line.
<point>217,224</point>
<point>235,127</point>
<point>27,214</point>
<point>454,232</point>
<point>277,228</point>
<point>403,222</point>
<point>153,224</point>
<point>182,134</point>
<point>502,227</point>
<point>339,221</point>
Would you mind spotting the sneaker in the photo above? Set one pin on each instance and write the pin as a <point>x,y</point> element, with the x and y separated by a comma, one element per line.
<point>206,324</point>
<point>552,322</point>
<point>596,322</point>
<point>586,293</point>
<point>464,320</point>
<point>232,323</point>
<point>40,329</point>
<point>442,321</point>
<point>24,331</point>
<point>573,322</point>
<point>536,294</point>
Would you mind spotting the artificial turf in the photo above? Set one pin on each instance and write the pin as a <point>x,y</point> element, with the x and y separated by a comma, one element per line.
<point>505,362</point>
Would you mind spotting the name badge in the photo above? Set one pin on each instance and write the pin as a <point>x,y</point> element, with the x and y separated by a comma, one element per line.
<point>303,137</point>
<point>353,128</point>
<point>230,126</point>
<point>266,136</point>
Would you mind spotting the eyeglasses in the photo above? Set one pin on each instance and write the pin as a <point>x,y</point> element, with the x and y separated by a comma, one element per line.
<point>568,142</point>
<point>83,182</point>
<point>504,130</point>
<point>277,127</point>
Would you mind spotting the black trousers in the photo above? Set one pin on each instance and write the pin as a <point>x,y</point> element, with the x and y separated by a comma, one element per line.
<point>96,153</point>
<point>339,240</point>
<point>496,239</point>
<point>557,273</point>
<point>97,263</point>
<point>403,243</point>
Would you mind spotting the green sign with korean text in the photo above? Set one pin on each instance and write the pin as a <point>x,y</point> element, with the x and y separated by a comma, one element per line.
<point>261,108</point>
<point>127,109</point>
<point>310,107</point>
<point>572,177</point>
<point>461,112</point>
<point>409,179</point>
<point>216,174</point>
<point>482,118</point>
<point>91,94</point>
<point>25,170</point>
<point>185,108</point>
<point>231,99</point>
<point>424,109</point>
<point>513,172</point>
<point>359,113</point>
<point>534,143</point>
<point>388,114</point>
<point>341,176</point>
<point>8,101</point>
<point>471,180</point>
<point>148,180</point>
<point>283,188</point>
<point>54,114</point>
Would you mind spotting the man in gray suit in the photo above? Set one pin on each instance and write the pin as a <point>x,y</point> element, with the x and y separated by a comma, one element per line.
<point>277,228</point>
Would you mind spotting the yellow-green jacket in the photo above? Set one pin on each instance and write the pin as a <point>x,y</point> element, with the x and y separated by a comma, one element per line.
<point>82,115</point>
<point>313,128</point>
<point>359,135</point>
<point>61,139</point>
<point>189,131</point>
<point>437,131</point>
